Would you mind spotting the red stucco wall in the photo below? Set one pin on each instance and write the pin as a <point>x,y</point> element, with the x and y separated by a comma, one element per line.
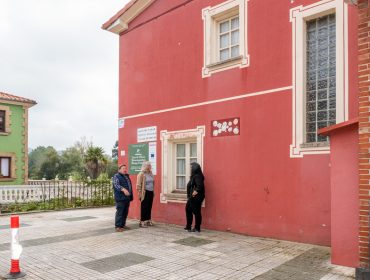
<point>252,184</point>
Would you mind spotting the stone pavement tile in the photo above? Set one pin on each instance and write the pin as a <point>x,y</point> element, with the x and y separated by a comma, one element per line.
<point>256,270</point>
<point>108,264</point>
<point>173,276</point>
<point>76,219</point>
<point>234,265</point>
<point>155,273</point>
<point>331,276</point>
<point>202,266</point>
<point>188,272</point>
<point>183,262</point>
<point>193,241</point>
<point>206,276</point>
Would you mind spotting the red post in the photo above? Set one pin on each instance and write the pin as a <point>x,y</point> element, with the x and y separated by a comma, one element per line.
<point>16,250</point>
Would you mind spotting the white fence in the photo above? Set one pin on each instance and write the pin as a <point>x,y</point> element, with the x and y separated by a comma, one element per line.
<point>42,190</point>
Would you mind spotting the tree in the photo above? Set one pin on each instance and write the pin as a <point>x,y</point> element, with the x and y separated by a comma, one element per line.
<point>35,160</point>
<point>40,159</point>
<point>95,161</point>
<point>72,164</point>
<point>115,151</point>
<point>50,165</point>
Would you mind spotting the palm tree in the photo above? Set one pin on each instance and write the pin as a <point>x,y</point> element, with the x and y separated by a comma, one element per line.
<point>95,161</point>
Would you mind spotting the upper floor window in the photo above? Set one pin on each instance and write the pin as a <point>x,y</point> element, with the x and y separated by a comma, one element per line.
<point>320,76</point>
<point>225,37</point>
<point>2,121</point>
<point>229,38</point>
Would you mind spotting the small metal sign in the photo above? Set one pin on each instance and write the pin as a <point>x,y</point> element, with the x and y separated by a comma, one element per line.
<point>121,123</point>
<point>147,134</point>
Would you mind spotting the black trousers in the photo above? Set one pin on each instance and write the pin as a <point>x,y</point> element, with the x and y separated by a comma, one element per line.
<point>146,206</point>
<point>121,213</point>
<point>193,207</point>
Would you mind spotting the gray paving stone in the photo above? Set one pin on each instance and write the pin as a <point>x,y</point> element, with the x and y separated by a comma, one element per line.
<point>116,262</point>
<point>193,241</point>
<point>306,266</point>
<point>60,238</point>
<point>8,226</point>
<point>75,219</point>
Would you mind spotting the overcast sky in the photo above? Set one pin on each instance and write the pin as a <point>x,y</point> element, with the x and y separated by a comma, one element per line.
<point>56,53</point>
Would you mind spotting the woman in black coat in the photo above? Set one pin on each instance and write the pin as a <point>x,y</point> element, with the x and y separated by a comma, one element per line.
<point>196,195</point>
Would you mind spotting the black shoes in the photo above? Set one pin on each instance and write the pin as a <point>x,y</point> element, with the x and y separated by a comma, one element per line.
<point>191,230</point>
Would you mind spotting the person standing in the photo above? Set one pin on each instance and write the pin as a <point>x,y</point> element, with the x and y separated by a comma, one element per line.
<point>145,190</point>
<point>196,194</point>
<point>123,196</point>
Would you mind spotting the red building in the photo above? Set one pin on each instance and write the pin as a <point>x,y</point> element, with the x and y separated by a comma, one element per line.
<point>242,87</point>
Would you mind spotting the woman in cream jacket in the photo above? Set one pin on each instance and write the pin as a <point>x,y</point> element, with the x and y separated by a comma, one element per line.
<point>145,190</point>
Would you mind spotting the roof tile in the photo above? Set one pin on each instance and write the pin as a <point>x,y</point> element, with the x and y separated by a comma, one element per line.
<point>9,97</point>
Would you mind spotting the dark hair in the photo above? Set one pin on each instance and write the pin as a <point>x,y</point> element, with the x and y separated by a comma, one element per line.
<point>119,167</point>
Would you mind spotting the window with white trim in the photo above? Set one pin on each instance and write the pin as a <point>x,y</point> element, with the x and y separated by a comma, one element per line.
<point>5,114</point>
<point>320,73</point>
<point>2,121</point>
<point>320,76</point>
<point>228,38</point>
<point>179,150</point>
<point>5,167</point>
<point>225,37</point>
<point>186,153</point>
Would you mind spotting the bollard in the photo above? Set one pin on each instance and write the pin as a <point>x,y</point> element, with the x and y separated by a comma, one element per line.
<point>16,250</point>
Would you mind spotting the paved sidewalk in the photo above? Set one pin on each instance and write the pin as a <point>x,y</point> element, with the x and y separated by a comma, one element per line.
<point>82,244</point>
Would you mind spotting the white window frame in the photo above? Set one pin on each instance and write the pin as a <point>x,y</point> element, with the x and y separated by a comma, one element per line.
<point>8,114</point>
<point>298,16</point>
<point>211,18</point>
<point>169,139</point>
<point>13,167</point>
<point>187,158</point>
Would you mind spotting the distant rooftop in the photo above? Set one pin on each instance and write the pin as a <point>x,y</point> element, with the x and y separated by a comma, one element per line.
<point>10,97</point>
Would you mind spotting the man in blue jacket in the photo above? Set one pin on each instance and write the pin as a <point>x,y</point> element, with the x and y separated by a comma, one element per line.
<point>123,195</point>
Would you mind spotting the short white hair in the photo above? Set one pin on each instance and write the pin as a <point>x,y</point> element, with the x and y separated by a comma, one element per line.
<point>145,166</point>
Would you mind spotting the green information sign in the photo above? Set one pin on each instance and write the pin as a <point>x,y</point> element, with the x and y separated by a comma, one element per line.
<point>137,154</point>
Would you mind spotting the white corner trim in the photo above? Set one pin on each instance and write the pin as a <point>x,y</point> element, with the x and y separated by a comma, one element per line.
<point>298,17</point>
<point>168,171</point>
<point>118,26</point>
<point>210,16</point>
<point>121,24</point>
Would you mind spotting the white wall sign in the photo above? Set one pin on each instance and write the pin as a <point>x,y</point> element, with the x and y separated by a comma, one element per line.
<point>153,156</point>
<point>123,153</point>
<point>121,123</point>
<point>147,134</point>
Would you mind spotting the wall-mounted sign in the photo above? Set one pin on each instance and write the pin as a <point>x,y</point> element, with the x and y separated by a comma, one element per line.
<point>153,156</point>
<point>147,134</point>
<point>138,153</point>
<point>121,123</point>
<point>225,127</point>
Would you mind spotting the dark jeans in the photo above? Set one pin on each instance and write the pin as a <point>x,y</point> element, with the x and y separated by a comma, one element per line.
<point>193,207</point>
<point>121,213</point>
<point>146,206</point>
